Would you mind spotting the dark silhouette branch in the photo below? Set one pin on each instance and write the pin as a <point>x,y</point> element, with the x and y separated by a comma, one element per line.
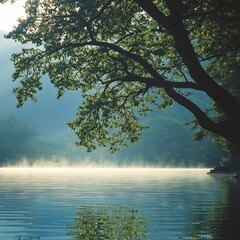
<point>224,128</point>
<point>185,49</point>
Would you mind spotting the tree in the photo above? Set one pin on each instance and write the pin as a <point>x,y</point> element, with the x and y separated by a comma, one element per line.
<point>232,82</point>
<point>126,56</point>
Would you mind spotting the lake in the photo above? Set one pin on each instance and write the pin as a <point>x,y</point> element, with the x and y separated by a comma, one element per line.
<point>117,203</point>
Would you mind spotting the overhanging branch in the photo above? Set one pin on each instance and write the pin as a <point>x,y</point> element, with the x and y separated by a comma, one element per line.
<point>174,23</point>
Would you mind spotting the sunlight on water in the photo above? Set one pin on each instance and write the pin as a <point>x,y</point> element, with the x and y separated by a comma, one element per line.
<point>62,203</point>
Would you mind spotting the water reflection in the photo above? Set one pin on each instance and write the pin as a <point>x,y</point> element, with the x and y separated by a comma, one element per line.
<point>223,220</point>
<point>114,222</point>
<point>149,204</point>
<point>27,238</point>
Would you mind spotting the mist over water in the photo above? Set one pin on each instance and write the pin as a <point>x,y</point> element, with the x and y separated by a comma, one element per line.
<point>63,162</point>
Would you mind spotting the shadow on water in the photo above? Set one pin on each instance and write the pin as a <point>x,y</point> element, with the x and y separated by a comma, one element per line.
<point>223,221</point>
<point>115,222</point>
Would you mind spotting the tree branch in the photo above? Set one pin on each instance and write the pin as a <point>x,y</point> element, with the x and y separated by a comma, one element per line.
<point>104,7</point>
<point>185,49</point>
<point>224,128</point>
<point>154,12</point>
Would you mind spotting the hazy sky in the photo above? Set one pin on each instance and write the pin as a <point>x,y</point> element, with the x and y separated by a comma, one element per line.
<point>10,13</point>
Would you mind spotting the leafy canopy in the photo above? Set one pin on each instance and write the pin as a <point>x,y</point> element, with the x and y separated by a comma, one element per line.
<point>120,58</point>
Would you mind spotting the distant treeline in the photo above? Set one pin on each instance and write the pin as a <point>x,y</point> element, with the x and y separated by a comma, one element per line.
<point>17,139</point>
<point>167,142</point>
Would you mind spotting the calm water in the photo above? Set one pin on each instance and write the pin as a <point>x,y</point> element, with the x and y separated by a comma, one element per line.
<point>121,204</point>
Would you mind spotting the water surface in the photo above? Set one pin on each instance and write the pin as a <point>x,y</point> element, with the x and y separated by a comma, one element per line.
<point>121,204</point>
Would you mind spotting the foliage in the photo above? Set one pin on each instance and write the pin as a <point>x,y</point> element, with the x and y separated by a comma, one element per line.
<point>3,1</point>
<point>126,56</point>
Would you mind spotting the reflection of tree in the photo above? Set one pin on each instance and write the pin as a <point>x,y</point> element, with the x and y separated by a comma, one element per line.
<point>223,222</point>
<point>200,230</point>
<point>110,222</point>
<point>27,238</point>
<point>228,212</point>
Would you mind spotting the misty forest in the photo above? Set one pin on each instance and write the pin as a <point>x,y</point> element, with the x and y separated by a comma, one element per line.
<point>38,130</point>
<point>159,95</point>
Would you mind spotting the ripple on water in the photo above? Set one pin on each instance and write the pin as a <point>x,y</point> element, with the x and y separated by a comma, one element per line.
<point>167,203</point>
